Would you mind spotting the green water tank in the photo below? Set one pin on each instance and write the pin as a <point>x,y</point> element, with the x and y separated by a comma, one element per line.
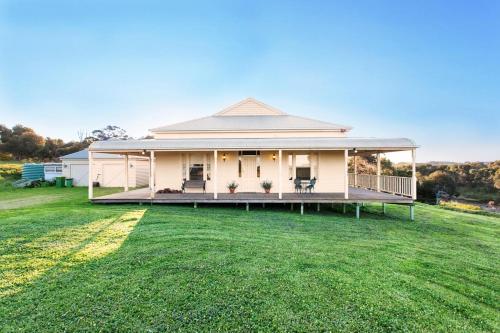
<point>32,171</point>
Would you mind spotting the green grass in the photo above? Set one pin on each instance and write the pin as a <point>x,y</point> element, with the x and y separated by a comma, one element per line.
<point>67,265</point>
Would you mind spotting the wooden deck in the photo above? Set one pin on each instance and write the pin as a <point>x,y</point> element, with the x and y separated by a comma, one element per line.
<point>356,195</point>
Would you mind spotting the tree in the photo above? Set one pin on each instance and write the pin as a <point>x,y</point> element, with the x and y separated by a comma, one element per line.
<point>5,133</point>
<point>496,179</point>
<point>50,149</point>
<point>442,182</point>
<point>109,132</point>
<point>22,142</point>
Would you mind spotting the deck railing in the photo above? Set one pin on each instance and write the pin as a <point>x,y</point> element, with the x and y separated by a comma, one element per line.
<point>389,184</point>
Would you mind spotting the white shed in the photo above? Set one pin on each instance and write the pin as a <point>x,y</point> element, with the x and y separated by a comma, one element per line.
<point>108,169</point>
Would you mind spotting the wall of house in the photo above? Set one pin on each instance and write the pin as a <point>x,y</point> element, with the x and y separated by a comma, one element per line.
<point>168,170</point>
<point>241,134</point>
<point>328,168</point>
<point>108,172</point>
<point>331,172</point>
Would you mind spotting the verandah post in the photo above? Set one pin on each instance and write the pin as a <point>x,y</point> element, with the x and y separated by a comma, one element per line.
<point>152,174</point>
<point>91,182</point>
<point>126,173</point>
<point>355,171</point>
<point>413,174</point>
<point>346,175</point>
<point>215,174</point>
<point>280,181</point>
<point>378,172</point>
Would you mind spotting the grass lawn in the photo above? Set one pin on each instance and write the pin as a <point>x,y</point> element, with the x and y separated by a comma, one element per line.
<point>67,265</point>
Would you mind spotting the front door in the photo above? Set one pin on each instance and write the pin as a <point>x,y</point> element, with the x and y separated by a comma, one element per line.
<point>249,179</point>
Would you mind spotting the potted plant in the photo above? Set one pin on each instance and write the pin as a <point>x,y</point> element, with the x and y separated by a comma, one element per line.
<point>266,185</point>
<point>232,186</point>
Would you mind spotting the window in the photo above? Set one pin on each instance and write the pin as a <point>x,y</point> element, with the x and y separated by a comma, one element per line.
<point>239,166</point>
<point>303,166</point>
<point>258,166</point>
<point>52,168</point>
<point>208,169</point>
<point>249,152</point>
<point>196,172</point>
<point>184,167</point>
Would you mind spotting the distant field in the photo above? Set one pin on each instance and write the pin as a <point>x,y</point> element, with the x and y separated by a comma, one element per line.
<point>68,265</point>
<point>479,194</point>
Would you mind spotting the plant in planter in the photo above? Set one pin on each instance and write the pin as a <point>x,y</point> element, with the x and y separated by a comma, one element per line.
<point>232,186</point>
<point>267,185</point>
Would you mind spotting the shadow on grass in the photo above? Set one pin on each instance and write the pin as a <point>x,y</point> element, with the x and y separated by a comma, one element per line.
<point>64,248</point>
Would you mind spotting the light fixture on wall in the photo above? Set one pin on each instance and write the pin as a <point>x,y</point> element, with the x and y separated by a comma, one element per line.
<point>355,150</point>
<point>224,157</point>
<point>144,152</point>
<point>274,157</point>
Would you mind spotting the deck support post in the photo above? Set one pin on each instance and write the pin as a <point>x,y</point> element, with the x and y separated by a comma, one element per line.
<point>318,207</point>
<point>357,210</point>
<point>152,174</point>
<point>378,172</point>
<point>247,207</point>
<point>215,174</point>
<point>413,174</point>
<point>383,208</point>
<point>280,180</point>
<point>343,208</point>
<point>195,205</point>
<point>91,180</point>
<point>263,205</point>
<point>346,174</point>
<point>301,208</point>
<point>412,212</point>
<point>291,206</point>
<point>125,187</point>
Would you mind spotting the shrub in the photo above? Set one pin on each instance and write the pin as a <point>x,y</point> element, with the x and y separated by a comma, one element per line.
<point>459,206</point>
<point>10,169</point>
<point>266,185</point>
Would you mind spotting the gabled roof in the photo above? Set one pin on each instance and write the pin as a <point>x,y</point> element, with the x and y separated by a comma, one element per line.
<point>251,115</point>
<point>84,155</point>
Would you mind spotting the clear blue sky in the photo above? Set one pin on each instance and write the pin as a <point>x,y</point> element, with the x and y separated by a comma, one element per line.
<point>427,70</point>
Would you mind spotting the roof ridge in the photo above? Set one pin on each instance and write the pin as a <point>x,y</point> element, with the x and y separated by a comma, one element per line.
<point>230,108</point>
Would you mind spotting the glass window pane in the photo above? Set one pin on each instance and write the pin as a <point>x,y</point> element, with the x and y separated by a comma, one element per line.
<point>303,173</point>
<point>196,172</point>
<point>303,166</point>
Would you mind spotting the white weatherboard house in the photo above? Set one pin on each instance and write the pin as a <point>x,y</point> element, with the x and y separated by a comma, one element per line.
<point>251,142</point>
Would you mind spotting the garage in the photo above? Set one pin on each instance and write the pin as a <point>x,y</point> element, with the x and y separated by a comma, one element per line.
<point>108,169</point>
<point>79,173</point>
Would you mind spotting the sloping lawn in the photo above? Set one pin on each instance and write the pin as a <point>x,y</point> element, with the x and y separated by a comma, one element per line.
<point>67,265</point>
